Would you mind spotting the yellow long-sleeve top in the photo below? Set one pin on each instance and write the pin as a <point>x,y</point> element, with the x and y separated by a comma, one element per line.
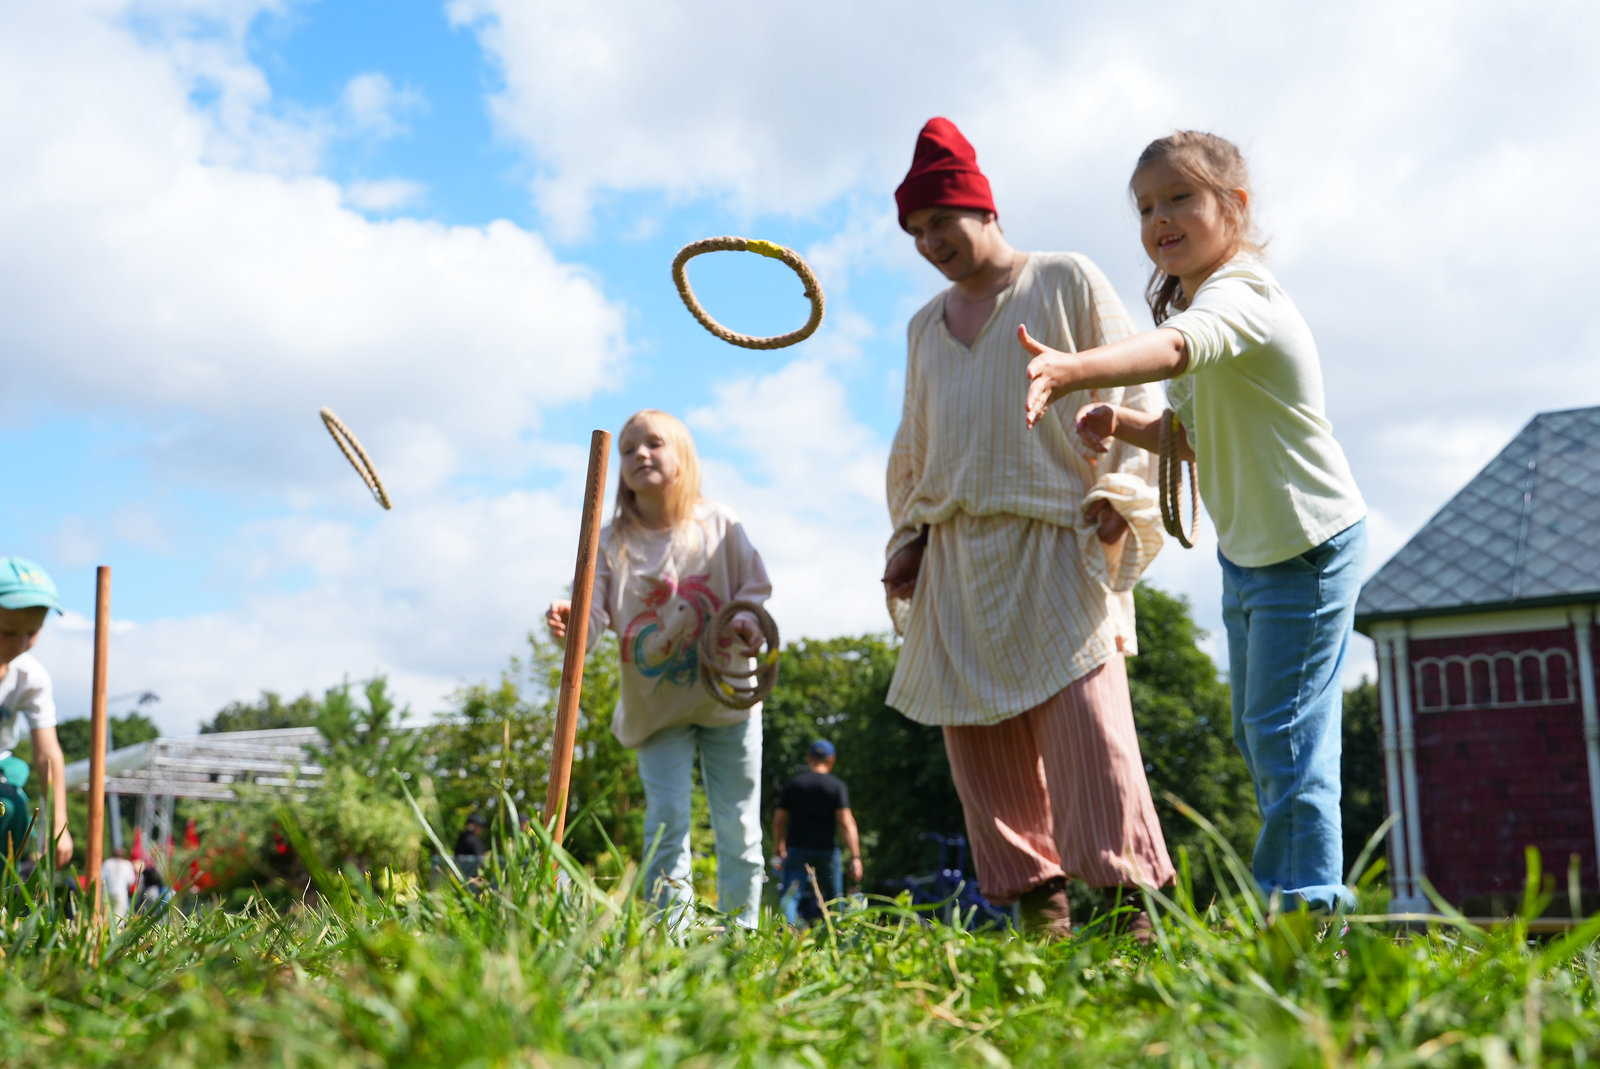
<point>1016,597</point>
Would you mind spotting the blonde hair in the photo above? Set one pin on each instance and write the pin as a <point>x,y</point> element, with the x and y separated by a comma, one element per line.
<point>682,495</point>
<point>1214,164</point>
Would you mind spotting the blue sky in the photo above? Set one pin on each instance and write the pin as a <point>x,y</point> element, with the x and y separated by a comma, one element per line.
<point>453,223</point>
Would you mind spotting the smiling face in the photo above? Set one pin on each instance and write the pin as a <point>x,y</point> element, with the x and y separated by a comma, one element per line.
<point>19,630</point>
<point>1187,230</point>
<point>955,240</point>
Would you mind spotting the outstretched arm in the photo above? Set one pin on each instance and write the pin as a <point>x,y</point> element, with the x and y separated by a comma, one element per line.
<point>1155,354</point>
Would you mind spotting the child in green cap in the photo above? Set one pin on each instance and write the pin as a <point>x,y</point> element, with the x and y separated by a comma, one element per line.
<point>26,598</point>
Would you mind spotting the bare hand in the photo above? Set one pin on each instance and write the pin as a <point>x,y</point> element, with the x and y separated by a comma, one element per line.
<point>900,575</point>
<point>556,617</point>
<point>855,872</point>
<point>1050,374</point>
<point>1097,425</point>
<point>1112,524</point>
<point>63,848</point>
<point>748,629</point>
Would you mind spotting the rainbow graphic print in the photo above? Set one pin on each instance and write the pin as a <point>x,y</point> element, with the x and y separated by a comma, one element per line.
<point>663,641</point>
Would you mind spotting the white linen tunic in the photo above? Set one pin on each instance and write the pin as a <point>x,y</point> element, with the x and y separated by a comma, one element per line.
<point>1016,597</point>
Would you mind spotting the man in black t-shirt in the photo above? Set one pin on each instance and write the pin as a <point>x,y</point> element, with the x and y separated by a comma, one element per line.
<point>812,805</point>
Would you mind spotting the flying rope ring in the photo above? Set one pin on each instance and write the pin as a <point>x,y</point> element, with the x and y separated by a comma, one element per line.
<point>350,446</point>
<point>1170,476</point>
<point>764,248</point>
<point>737,688</point>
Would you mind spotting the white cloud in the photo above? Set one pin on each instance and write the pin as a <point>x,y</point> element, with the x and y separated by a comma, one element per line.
<point>375,106</point>
<point>227,301</point>
<point>809,488</point>
<point>384,195</point>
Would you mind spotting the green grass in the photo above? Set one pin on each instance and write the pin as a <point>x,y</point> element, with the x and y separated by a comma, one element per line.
<point>538,972</point>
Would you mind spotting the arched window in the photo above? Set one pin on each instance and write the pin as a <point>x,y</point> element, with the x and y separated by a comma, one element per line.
<point>1494,680</point>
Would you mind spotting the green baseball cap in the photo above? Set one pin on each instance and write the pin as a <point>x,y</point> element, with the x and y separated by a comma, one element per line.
<point>25,585</point>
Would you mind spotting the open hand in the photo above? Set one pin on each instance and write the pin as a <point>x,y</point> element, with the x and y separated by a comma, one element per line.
<point>1097,425</point>
<point>556,617</point>
<point>1050,374</point>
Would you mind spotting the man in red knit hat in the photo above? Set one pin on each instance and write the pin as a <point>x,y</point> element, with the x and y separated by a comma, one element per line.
<point>1014,556</point>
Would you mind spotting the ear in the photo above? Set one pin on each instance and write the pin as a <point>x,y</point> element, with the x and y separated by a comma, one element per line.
<point>1244,197</point>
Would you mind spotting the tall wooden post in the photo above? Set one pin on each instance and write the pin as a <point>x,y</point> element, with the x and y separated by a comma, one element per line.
<point>97,736</point>
<point>555,801</point>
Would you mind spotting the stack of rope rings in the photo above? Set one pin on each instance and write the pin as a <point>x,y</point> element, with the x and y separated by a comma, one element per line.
<point>737,689</point>
<point>1170,477</point>
<point>350,446</point>
<point>764,248</point>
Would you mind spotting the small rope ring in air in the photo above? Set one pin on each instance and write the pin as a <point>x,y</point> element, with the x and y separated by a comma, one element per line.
<point>350,446</point>
<point>764,248</point>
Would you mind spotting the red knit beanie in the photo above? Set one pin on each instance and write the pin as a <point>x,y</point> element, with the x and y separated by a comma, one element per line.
<point>944,171</point>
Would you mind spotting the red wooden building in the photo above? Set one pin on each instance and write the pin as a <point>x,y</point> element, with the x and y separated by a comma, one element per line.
<point>1485,631</point>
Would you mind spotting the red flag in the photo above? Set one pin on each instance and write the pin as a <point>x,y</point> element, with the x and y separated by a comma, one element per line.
<point>138,846</point>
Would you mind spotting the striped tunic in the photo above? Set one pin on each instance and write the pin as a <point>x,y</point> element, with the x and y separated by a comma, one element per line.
<point>1016,597</point>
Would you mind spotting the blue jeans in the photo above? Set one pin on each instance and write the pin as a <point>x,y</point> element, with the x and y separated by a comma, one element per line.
<point>730,769</point>
<point>1289,628</point>
<point>830,878</point>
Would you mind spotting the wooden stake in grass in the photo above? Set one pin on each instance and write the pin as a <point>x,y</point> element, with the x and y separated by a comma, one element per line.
<point>555,799</point>
<point>97,735</point>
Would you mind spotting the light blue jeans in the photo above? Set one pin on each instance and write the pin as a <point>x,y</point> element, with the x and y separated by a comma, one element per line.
<point>730,769</point>
<point>1289,628</point>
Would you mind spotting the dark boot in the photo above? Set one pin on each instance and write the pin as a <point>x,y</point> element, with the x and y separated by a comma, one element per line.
<point>1131,918</point>
<point>1045,909</point>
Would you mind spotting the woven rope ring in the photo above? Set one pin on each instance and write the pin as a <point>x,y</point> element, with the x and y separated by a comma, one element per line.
<point>350,446</point>
<point>764,248</point>
<point>1170,477</point>
<point>737,689</point>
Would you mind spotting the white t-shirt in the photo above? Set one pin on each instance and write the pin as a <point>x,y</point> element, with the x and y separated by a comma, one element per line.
<point>24,689</point>
<point>117,876</point>
<point>1271,474</point>
<point>658,593</point>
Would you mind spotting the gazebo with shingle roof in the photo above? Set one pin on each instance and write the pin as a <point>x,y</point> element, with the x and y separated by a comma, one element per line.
<point>1484,624</point>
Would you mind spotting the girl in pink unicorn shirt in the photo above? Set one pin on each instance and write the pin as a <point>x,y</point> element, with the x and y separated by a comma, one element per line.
<point>669,560</point>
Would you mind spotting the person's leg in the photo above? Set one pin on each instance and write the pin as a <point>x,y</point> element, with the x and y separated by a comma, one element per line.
<point>666,768</point>
<point>835,882</point>
<point>1296,621</point>
<point>730,768</point>
<point>1107,831</point>
<point>792,886</point>
<point>1000,779</point>
<point>807,905</point>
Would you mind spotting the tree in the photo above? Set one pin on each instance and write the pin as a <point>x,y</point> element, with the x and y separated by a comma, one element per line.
<point>1362,804</point>
<point>268,711</point>
<point>497,738</point>
<point>899,779</point>
<point>357,813</point>
<point>128,730</point>
<point>1183,713</point>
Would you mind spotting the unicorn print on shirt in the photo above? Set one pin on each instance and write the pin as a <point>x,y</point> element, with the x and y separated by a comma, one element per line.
<point>663,640</point>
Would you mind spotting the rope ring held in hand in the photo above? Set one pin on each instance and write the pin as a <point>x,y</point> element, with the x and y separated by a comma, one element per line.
<point>1170,476</point>
<point>737,689</point>
<point>764,248</point>
<point>350,446</point>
